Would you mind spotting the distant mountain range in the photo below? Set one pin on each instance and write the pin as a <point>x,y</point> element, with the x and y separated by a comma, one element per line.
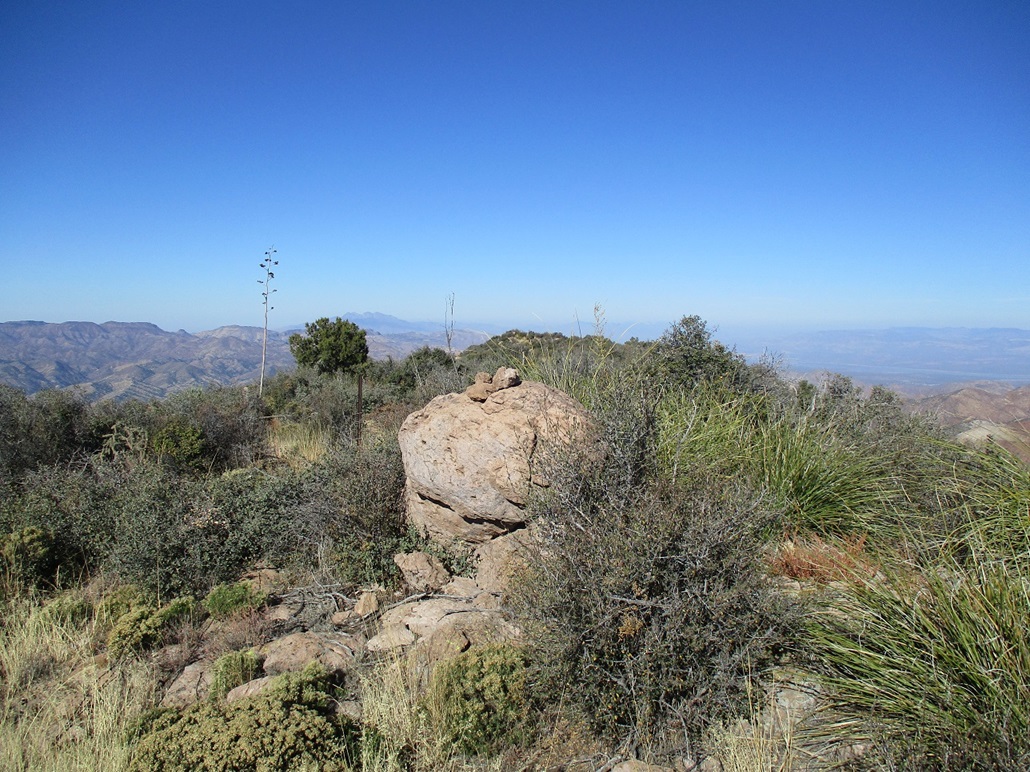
<point>138,360</point>
<point>118,360</point>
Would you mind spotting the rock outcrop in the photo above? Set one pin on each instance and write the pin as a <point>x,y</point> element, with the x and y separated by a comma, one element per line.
<point>470,458</point>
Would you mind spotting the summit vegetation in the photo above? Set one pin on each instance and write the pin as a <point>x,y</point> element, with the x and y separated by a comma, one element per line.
<point>740,570</point>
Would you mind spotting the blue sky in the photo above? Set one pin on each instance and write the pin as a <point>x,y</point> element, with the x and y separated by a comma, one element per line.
<point>762,164</point>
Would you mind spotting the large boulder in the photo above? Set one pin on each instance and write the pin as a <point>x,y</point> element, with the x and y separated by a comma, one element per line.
<point>472,459</point>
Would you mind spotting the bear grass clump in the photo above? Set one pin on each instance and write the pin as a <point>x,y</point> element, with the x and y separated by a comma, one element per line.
<point>233,669</point>
<point>292,725</point>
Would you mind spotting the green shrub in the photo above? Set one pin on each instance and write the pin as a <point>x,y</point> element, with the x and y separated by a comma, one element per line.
<point>29,557</point>
<point>49,427</point>
<point>650,597</point>
<point>227,599</point>
<point>687,356</point>
<point>71,607</point>
<point>144,626</point>
<point>290,726</point>
<point>233,669</point>
<point>181,443</point>
<point>365,525</point>
<point>479,700</point>
<point>230,420</point>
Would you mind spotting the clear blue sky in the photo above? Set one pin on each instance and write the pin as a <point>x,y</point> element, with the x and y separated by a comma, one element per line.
<point>822,163</point>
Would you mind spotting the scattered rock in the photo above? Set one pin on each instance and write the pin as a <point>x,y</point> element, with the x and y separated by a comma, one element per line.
<point>334,651</point>
<point>422,572</point>
<point>191,686</point>
<point>249,689</point>
<point>391,637</point>
<point>639,766</point>
<point>367,604</point>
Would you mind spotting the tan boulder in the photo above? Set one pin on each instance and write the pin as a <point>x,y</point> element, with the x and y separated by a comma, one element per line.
<point>421,571</point>
<point>334,651</point>
<point>249,689</point>
<point>470,464</point>
<point>191,686</point>
<point>368,603</point>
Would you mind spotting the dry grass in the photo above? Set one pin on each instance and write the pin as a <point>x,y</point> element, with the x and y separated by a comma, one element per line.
<point>822,561</point>
<point>299,444</point>
<point>763,742</point>
<point>61,707</point>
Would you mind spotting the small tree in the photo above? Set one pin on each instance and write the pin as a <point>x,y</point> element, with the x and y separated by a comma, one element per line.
<point>267,266</point>
<point>687,355</point>
<point>330,347</point>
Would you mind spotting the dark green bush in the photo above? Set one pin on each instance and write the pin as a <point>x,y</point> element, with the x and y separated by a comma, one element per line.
<point>180,443</point>
<point>167,532</point>
<point>290,726</point>
<point>687,355</point>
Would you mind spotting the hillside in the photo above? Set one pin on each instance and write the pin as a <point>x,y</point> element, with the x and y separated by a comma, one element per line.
<point>978,413</point>
<point>138,360</point>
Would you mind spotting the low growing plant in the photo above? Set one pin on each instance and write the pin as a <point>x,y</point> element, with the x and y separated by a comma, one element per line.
<point>144,626</point>
<point>233,669</point>
<point>932,667</point>
<point>479,701</point>
<point>654,606</point>
<point>224,600</point>
<point>290,726</point>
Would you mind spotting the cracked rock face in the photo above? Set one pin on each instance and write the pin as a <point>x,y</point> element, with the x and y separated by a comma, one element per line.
<point>469,458</point>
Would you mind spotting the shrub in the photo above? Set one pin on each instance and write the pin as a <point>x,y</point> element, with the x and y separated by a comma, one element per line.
<point>651,599</point>
<point>687,356</point>
<point>230,421</point>
<point>365,525</point>
<point>144,626</point>
<point>479,700</point>
<point>29,557</point>
<point>291,725</point>
<point>227,599</point>
<point>181,443</point>
<point>47,428</point>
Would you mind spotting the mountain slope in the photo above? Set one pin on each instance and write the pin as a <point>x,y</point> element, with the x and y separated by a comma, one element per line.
<point>122,360</point>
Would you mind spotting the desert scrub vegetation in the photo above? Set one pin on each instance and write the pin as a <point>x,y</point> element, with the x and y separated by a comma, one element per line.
<point>290,726</point>
<point>725,531</point>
